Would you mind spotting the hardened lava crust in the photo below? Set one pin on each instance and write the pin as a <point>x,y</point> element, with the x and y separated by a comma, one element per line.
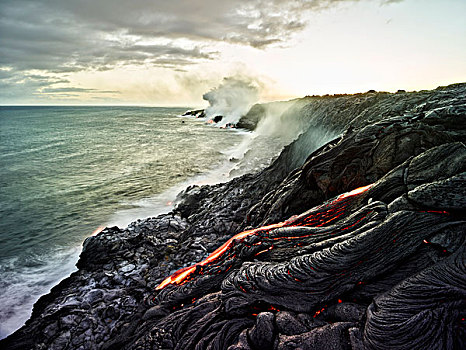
<point>358,243</point>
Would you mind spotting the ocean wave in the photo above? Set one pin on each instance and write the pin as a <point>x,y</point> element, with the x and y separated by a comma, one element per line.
<point>25,279</point>
<point>49,145</point>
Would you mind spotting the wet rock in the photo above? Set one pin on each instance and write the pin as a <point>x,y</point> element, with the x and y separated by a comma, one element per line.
<point>127,268</point>
<point>198,113</point>
<point>217,118</point>
<point>94,296</point>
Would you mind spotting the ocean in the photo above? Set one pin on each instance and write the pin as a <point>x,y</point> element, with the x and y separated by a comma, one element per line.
<point>65,172</point>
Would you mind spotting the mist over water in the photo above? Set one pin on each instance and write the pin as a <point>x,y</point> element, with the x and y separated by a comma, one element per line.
<point>280,124</point>
<point>231,99</point>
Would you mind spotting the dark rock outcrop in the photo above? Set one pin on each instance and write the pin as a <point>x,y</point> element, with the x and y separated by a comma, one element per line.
<point>198,113</point>
<point>217,118</point>
<point>364,248</point>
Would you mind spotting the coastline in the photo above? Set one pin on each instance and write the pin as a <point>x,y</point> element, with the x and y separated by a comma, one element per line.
<point>24,285</point>
<point>119,269</point>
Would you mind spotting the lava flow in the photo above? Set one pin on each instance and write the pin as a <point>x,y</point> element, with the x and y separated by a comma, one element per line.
<point>316,217</point>
<point>97,230</point>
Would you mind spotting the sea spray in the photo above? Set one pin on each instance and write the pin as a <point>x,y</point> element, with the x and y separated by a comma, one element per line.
<point>231,100</point>
<point>25,278</point>
<point>279,124</point>
<point>164,202</point>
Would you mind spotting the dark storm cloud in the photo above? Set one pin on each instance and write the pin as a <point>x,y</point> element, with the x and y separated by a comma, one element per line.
<point>69,35</point>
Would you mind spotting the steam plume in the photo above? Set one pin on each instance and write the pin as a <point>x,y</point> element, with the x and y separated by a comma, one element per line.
<point>231,99</point>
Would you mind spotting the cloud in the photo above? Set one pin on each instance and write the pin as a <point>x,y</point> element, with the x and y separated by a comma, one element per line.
<point>68,36</point>
<point>27,88</point>
<point>13,85</point>
<point>75,89</point>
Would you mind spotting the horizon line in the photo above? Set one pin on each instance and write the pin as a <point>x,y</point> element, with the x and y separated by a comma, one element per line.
<point>200,107</point>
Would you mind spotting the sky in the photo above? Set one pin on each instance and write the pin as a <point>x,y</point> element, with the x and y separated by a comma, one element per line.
<point>171,52</point>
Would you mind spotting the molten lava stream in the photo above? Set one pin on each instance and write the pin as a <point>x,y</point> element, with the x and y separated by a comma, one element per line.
<point>331,211</point>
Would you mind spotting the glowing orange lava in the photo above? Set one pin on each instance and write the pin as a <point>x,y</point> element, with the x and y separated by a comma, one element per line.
<point>219,251</point>
<point>314,219</point>
<point>318,312</point>
<point>355,192</point>
<point>180,276</point>
<point>97,230</point>
<point>177,277</point>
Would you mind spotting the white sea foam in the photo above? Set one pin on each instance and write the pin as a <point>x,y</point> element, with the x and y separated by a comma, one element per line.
<point>164,202</point>
<point>24,280</point>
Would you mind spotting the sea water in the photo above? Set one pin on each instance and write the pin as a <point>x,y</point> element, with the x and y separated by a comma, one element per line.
<point>66,171</point>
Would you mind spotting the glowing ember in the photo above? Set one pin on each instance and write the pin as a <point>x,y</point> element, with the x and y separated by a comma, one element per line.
<point>318,312</point>
<point>436,212</point>
<point>319,216</point>
<point>355,192</point>
<point>239,236</point>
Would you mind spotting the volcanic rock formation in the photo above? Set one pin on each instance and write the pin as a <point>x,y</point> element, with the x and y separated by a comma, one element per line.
<point>355,244</point>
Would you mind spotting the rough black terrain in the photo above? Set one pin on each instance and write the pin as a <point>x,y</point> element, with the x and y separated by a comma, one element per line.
<point>355,244</point>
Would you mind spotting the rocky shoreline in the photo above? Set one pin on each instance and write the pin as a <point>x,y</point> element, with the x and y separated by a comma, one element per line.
<point>382,267</point>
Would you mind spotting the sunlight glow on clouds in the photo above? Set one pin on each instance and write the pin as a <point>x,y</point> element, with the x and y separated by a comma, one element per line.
<point>171,52</point>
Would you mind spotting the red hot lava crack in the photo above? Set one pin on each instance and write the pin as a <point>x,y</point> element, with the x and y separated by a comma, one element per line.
<point>326,214</point>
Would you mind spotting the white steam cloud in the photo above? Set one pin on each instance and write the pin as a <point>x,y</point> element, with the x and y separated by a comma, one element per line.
<point>231,99</point>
